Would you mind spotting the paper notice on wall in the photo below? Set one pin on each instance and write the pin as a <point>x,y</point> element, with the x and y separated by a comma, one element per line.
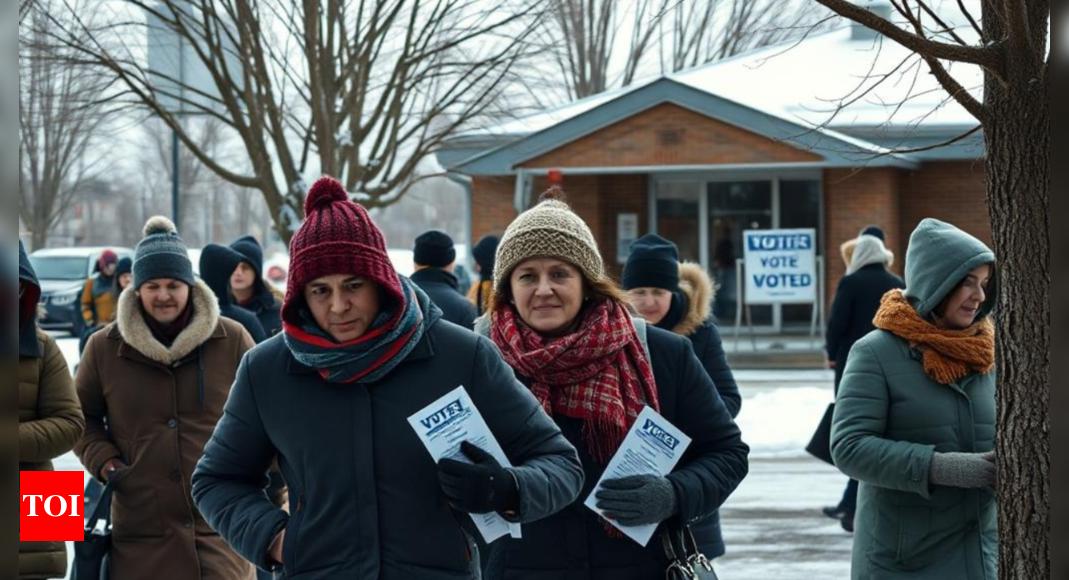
<point>443,426</point>
<point>652,447</point>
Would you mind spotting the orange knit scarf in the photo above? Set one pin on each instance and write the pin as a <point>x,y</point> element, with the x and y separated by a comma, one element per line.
<point>949,355</point>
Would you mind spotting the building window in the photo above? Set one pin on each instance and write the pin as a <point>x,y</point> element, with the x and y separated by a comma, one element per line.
<point>677,217</point>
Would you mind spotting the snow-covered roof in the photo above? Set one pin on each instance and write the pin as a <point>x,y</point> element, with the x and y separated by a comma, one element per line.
<point>865,91</point>
<point>807,80</point>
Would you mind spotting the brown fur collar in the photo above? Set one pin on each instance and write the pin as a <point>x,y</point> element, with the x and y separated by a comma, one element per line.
<point>698,287</point>
<point>135,331</point>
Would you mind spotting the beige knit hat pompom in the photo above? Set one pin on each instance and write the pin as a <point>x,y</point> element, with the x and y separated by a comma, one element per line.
<point>549,230</point>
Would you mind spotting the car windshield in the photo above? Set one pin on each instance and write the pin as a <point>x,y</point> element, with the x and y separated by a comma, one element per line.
<point>59,267</point>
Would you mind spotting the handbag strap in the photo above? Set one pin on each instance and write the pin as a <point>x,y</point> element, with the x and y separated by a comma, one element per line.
<point>102,511</point>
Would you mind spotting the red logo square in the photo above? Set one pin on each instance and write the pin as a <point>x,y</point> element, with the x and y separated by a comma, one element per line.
<point>52,505</point>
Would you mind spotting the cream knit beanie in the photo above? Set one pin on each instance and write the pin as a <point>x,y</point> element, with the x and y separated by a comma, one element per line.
<point>549,230</point>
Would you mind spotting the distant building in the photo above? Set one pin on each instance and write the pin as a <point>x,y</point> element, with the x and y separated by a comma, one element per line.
<point>702,155</point>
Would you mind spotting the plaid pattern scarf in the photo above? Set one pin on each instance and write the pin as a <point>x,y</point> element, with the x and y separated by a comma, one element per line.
<point>370,357</point>
<point>599,374</point>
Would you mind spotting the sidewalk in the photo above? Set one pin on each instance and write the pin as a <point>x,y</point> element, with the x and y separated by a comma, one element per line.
<point>774,529</point>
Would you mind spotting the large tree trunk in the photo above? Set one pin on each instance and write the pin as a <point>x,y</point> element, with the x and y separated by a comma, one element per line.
<point>1018,139</point>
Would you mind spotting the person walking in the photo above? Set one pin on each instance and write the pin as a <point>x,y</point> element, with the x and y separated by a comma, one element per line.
<point>484,253</point>
<point>857,300</point>
<point>363,349</point>
<point>251,291</point>
<point>50,418</point>
<point>678,297</point>
<point>565,328</point>
<point>124,276</point>
<point>435,257</point>
<point>153,385</point>
<point>217,264</point>
<point>99,297</point>
<point>915,418</point>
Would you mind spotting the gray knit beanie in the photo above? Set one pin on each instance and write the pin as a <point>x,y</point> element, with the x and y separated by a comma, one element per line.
<point>549,230</point>
<point>162,254</point>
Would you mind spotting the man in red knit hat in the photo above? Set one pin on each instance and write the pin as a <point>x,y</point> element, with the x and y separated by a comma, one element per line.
<point>362,350</point>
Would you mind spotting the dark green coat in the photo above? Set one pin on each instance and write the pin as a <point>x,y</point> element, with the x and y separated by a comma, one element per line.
<point>890,420</point>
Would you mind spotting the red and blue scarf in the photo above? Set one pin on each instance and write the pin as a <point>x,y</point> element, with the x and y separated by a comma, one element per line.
<point>369,358</point>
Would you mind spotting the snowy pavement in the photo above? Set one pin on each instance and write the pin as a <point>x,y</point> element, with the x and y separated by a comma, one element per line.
<point>773,526</point>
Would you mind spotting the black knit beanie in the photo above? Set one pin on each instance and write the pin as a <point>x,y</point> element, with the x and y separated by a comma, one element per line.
<point>653,263</point>
<point>434,249</point>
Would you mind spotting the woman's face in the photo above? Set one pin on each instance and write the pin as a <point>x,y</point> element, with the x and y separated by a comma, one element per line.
<point>548,295</point>
<point>164,299</point>
<point>652,304</point>
<point>243,278</point>
<point>960,309</point>
<point>125,280</point>
<point>345,307</point>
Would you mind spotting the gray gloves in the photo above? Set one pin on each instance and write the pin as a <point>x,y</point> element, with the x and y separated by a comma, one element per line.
<point>964,470</point>
<point>638,501</point>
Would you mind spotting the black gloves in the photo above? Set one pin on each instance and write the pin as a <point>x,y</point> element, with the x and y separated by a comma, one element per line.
<point>638,501</point>
<point>481,487</point>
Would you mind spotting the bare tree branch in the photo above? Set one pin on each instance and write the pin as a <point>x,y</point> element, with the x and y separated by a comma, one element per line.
<point>949,83</point>
<point>367,89</point>
<point>988,57</point>
<point>60,116</point>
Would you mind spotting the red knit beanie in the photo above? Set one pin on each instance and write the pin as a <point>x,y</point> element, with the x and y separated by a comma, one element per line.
<point>337,237</point>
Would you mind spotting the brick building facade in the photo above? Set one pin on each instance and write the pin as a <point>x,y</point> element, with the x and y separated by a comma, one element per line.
<point>699,169</point>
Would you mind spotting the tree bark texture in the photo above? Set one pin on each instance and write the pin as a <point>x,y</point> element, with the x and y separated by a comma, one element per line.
<point>1018,143</point>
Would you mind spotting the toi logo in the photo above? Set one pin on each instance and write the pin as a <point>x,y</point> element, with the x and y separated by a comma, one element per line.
<point>51,506</point>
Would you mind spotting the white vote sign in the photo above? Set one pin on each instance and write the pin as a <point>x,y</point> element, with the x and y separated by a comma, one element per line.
<point>781,266</point>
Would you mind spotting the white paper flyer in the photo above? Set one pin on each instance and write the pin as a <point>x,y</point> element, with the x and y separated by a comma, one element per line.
<point>443,426</point>
<point>652,447</point>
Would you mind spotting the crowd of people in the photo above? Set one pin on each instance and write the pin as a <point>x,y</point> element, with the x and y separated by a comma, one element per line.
<point>242,431</point>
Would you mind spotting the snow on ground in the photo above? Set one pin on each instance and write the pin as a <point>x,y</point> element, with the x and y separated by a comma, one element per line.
<point>772,524</point>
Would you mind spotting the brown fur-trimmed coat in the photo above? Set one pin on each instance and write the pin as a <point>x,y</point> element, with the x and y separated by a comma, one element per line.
<point>154,408</point>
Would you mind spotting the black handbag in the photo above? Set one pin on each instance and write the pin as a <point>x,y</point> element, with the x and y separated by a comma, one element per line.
<point>820,445</point>
<point>685,560</point>
<point>92,559</point>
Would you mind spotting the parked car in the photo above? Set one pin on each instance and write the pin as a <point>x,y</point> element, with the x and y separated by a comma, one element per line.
<point>63,273</point>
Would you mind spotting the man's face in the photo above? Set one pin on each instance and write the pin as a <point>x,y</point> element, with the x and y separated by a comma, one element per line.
<point>343,306</point>
<point>164,300</point>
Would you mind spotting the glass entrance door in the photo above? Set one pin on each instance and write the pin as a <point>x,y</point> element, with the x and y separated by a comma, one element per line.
<point>735,207</point>
<point>679,217</point>
<point>706,216</point>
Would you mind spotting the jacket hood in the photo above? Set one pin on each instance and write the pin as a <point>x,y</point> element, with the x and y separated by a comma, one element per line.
<point>217,265</point>
<point>697,286</point>
<point>130,325</point>
<point>251,253</point>
<point>28,303</point>
<point>485,253</point>
<point>868,251</point>
<point>938,259</point>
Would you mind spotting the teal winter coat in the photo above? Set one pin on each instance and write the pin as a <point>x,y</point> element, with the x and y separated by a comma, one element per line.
<point>890,420</point>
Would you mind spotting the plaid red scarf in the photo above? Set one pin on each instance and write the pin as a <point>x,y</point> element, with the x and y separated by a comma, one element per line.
<point>599,374</point>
